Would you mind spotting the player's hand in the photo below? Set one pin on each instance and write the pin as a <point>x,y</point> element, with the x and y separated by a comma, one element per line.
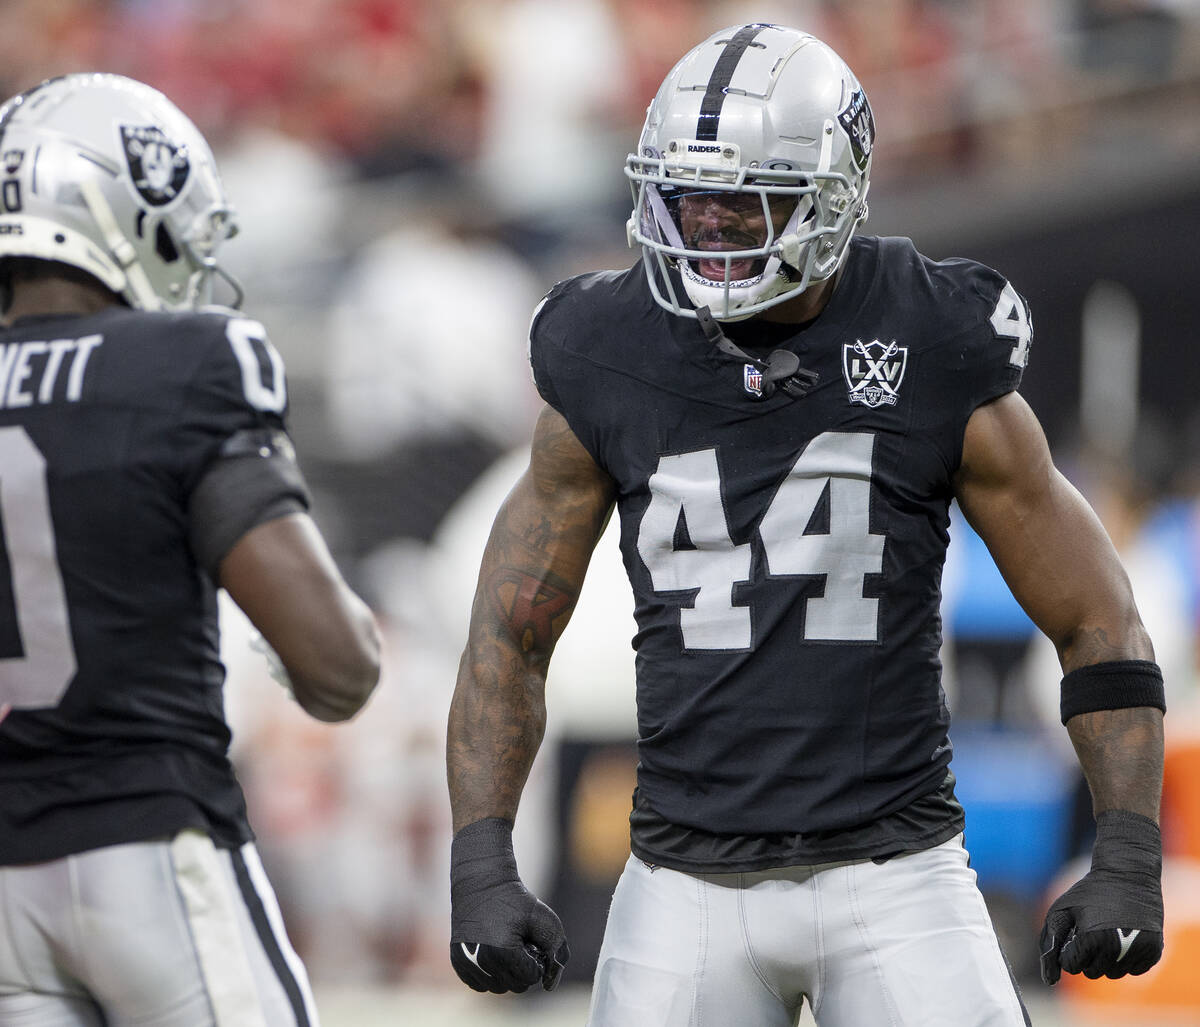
<point>1110,923</point>
<point>501,937</point>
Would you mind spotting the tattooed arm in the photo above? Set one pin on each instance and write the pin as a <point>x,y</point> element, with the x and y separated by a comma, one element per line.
<point>1064,571</point>
<point>502,938</point>
<point>529,582</point>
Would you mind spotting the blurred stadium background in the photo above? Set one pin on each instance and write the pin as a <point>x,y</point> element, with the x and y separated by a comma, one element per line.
<point>411,175</point>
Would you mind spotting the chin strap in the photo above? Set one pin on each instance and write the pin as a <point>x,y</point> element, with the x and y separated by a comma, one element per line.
<point>137,286</point>
<point>781,368</point>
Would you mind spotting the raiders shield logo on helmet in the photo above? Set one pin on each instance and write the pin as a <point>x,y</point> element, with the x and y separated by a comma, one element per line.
<point>859,124</point>
<point>158,167</point>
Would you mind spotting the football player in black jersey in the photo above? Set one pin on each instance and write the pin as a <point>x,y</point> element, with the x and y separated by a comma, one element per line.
<point>781,412</point>
<point>144,462</point>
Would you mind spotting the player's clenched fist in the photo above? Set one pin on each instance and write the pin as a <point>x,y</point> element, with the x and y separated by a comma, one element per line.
<point>1110,923</point>
<point>501,937</point>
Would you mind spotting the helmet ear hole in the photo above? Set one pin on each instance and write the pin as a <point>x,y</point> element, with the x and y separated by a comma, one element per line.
<point>164,245</point>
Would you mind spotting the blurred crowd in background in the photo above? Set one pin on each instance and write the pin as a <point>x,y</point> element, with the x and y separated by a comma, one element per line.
<point>412,175</point>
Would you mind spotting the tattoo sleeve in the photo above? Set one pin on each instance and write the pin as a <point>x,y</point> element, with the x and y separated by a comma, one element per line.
<point>529,582</point>
<point>1121,753</point>
<point>1096,646</point>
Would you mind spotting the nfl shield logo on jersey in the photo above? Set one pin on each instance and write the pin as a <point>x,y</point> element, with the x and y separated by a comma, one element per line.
<point>752,379</point>
<point>158,167</point>
<point>874,371</point>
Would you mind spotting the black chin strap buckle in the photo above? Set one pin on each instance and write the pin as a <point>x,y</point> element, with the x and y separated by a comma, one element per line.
<point>781,369</point>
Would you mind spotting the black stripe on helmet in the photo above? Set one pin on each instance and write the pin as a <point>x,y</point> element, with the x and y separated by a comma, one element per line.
<point>722,74</point>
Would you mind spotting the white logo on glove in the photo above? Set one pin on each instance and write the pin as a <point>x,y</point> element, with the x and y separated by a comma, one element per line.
<point>1126,941</point>
<point>474,956</point>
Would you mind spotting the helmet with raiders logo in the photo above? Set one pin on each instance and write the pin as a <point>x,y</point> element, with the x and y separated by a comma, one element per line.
<point>106,174</point>
<point>751,172</point>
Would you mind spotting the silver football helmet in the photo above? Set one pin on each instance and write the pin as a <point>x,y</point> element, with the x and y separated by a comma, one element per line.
<point>751,172</point>
<point>106,174</point>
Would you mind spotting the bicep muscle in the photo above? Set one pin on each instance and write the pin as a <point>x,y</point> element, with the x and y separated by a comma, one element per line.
<point>1045,538</point>
<point>542,541</point>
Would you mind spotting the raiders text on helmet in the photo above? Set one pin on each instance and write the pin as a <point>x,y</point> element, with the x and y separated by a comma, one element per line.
<point>106,174</point>
<point>771,114</point>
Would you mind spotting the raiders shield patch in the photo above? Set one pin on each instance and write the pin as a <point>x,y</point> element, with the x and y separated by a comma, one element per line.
<point>158,167</point>
<point>874,371</point>
<point>859,124</point>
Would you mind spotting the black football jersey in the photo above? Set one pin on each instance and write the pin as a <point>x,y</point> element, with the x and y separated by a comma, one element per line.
<point>786,553</point>
<point>110,679</point>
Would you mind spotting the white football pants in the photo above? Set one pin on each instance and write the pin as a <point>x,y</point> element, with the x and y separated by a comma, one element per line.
<point>906,942</point>
<point>170,933</point>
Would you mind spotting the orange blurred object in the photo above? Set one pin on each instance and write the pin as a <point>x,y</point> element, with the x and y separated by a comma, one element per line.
<point>1169,993</point>
<point>1181,791</point>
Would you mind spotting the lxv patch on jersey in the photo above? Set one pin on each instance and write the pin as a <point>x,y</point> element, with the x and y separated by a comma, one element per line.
<point>874,371</point>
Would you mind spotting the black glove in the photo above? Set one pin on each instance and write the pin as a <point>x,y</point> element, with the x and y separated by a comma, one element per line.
<point>501,937</point>
<point>1110,923</point>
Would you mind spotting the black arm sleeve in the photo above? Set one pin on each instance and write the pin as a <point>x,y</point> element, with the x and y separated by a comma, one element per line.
<point>254,479</point>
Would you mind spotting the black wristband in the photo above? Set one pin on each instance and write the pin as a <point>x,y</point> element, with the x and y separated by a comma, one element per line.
<point>1116,685</point>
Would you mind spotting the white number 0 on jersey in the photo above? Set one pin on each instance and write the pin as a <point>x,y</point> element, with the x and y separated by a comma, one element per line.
<point>688,486</point>
<point>41,674</point>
